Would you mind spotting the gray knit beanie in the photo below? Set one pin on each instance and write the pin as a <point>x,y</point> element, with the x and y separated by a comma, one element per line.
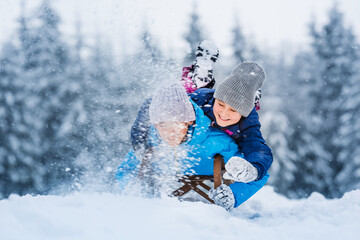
<point>238,90</point>
<point>171,104</point>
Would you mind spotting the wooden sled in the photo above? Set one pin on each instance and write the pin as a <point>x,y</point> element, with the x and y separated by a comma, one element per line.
<point>196,181</point>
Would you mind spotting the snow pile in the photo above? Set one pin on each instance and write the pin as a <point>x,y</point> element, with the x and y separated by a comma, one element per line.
<point>109,216</point>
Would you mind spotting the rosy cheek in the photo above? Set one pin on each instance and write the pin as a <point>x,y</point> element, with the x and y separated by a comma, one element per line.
<point>236,117</point>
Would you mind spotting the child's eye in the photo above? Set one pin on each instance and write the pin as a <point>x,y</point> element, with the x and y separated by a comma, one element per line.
<point>221,105</point>
<point>232,110</point>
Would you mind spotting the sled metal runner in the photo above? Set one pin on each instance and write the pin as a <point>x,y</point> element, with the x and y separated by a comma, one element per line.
<point>195,181</point>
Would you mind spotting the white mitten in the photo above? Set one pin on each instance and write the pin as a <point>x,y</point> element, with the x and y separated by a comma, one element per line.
<point>223,196</point>
<point>240,170</point>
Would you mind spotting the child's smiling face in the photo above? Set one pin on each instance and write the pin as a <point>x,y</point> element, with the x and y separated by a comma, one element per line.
<point>173,133</point>
<point>224,114</point>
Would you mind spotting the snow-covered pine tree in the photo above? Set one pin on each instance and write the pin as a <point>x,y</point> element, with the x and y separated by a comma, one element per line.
<point>194,36</point>
<point>239,44</point>
<point>45,69</point>
<point>73,129</point>
<point>145,71</point>
<point>150,60</point>
<point>287,127</point>
<point>277,126</point>
<point>20,172</point>
<point>103,129</point>
<point>244,47</point>
<point>334,47</point>
<point>311,171</point>
<point>349,176</point>
<point>276,131</point>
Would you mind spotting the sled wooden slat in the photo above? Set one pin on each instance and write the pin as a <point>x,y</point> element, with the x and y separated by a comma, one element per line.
<point>182,190</point>
<point>192,182</point>
<point>218,159</point>
<point>204,186</point>
<point>204,195</point>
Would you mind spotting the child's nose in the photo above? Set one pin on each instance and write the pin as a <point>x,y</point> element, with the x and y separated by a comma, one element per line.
<point>174,132</point>
<point>226,112</point>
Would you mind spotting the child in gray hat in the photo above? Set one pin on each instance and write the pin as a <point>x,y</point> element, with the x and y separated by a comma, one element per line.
<point>231,107</point>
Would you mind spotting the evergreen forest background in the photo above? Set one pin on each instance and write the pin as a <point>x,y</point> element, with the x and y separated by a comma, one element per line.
<point>66,108</point>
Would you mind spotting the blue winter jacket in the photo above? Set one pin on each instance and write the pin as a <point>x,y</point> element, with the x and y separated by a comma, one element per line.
<point>201,147</point>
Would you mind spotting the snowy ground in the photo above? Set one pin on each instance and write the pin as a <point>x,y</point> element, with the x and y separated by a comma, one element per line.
<point>109,216</point>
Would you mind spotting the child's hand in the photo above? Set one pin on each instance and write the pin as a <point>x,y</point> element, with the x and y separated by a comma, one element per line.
<point>240,170</point>
<point>223,196</point>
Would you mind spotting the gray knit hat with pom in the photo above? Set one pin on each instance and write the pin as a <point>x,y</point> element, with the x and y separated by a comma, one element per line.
<point>238,90</point>
<point>171,104</point>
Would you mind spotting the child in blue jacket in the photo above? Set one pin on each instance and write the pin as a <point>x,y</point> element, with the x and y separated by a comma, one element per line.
<point>180,124</point>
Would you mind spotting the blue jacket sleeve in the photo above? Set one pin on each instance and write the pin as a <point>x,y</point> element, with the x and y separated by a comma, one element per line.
<point>140,129</point>
<point>229,150</point>
<point>202,96</point>
<point>127,169</point>
<point>253,145</point>
<point>243,191</point>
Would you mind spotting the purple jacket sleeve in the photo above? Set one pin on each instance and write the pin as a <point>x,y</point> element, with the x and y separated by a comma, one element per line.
<point>140,130</point>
